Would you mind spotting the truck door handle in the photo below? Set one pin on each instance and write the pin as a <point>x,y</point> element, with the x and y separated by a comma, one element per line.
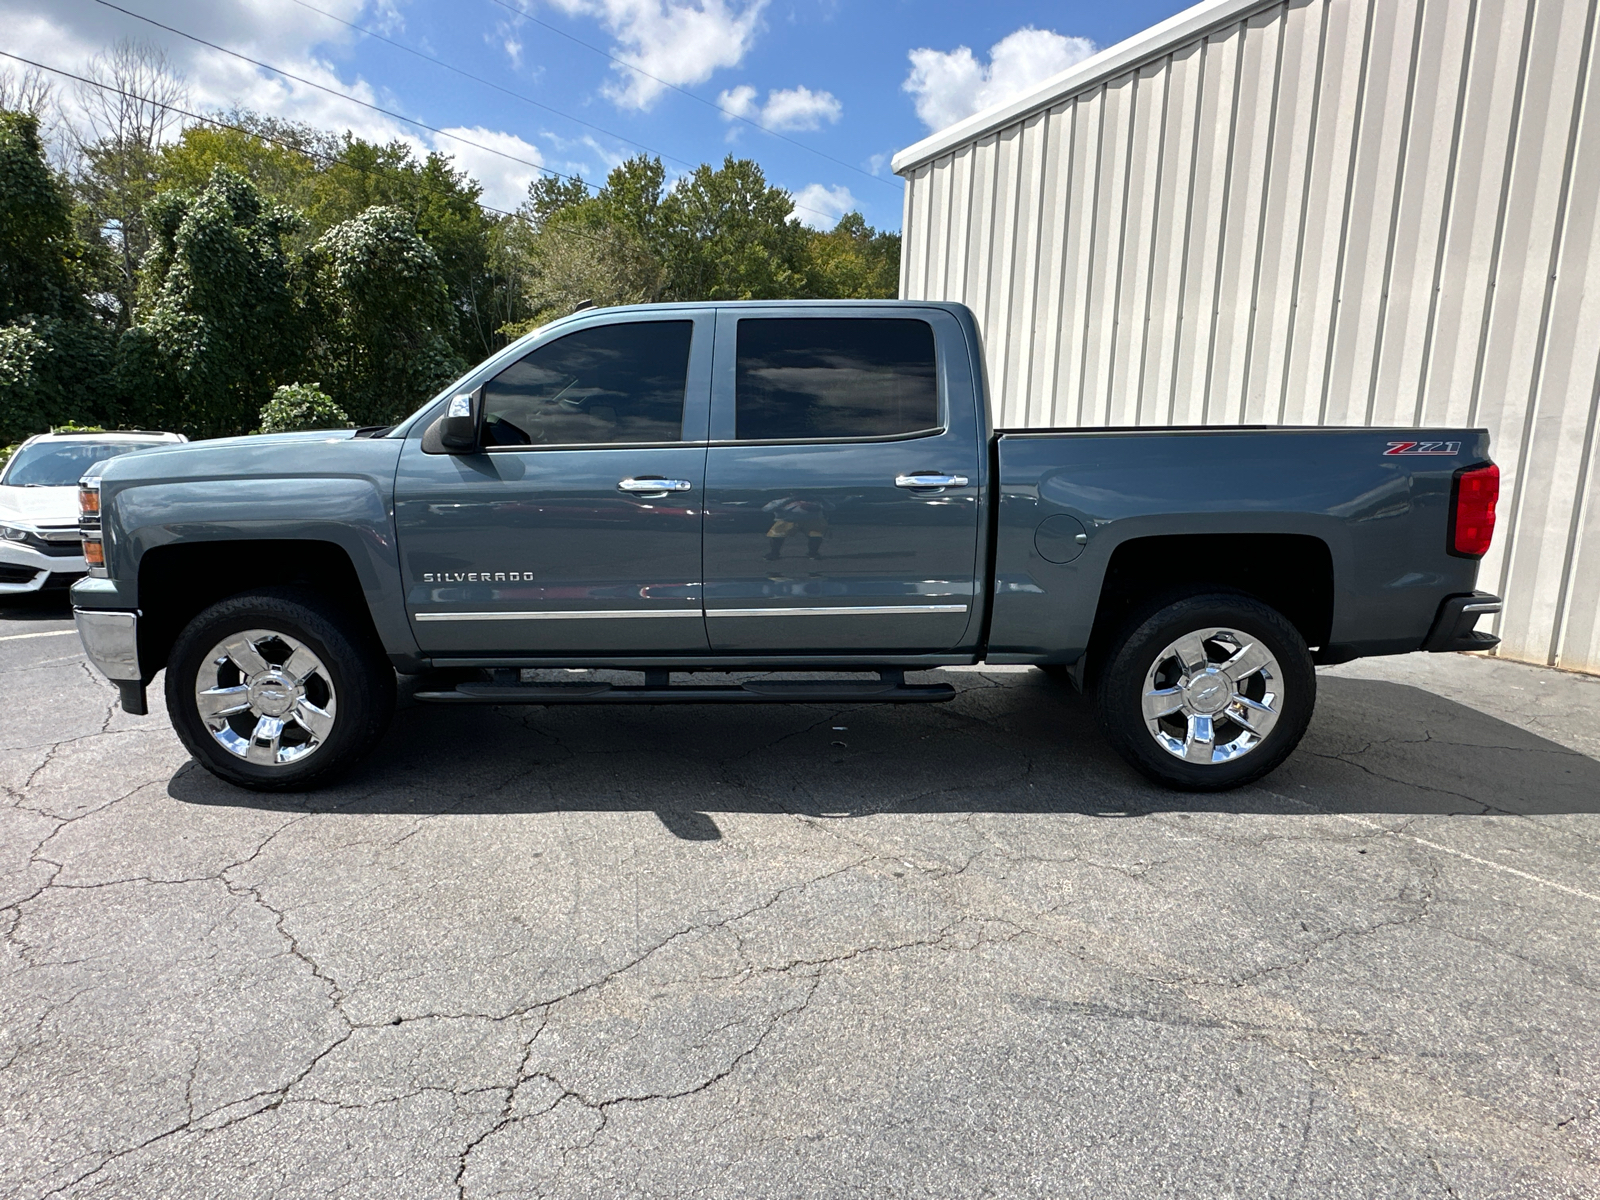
<point>930,479</point>
<point>659,487</point>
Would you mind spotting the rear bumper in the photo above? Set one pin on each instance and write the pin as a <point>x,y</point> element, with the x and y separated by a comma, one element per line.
<point>111,641</point>
<point>1453,627</point>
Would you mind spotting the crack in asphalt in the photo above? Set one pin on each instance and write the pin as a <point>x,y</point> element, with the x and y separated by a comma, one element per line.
<point>974,929</point>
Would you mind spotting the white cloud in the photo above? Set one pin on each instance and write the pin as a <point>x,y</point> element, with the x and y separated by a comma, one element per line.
<point>821,207</point>
<point>954,85</point>
<point>679,42</point>
<point>800,108</point>
<point>739,102</point>
<point>789,108</point>
<point>68,36</point>
<point>505,183</point>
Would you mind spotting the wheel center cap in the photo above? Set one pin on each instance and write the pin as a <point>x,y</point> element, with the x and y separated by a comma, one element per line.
<point>272,695</point>
<point>1208,692</point>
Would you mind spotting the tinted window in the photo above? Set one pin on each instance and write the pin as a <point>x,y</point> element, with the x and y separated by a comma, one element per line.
<point>613,383</point>
<point>62,464</point>
<point>822,377</point>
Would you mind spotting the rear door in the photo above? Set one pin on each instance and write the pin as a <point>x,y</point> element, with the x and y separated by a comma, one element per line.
<point>841,498</point>
<point>576,531</point>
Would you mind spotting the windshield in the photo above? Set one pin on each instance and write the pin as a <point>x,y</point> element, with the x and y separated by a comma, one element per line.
<point>62,464</point>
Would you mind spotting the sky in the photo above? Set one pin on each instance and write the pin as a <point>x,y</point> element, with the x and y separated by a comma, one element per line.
<point>821,93</point>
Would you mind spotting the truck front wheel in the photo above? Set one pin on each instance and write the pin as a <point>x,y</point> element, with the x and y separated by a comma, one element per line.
<point>277,690</point>
<point>1207,693</point>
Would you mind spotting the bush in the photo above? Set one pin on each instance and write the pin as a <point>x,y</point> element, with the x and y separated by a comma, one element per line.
<point>296,406</point>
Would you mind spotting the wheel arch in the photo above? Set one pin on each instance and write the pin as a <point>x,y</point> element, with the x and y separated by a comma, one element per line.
<point>177,582</point>
<point>1292,573</point>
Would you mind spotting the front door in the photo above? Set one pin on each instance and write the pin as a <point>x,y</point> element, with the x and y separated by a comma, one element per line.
<point>841,500</point>
<point>576,530</point>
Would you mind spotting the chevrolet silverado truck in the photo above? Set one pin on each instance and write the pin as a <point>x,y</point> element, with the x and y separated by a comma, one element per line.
<point>770,488</point>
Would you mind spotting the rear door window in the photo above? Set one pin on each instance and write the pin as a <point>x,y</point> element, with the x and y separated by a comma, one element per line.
<point>605,385</point>
<point>810,378</point>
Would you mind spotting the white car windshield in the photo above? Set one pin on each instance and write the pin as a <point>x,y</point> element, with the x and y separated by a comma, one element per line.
<point>62,464</point>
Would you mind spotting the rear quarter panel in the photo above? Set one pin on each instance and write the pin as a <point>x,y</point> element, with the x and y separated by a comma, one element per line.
<point>1383,517</point>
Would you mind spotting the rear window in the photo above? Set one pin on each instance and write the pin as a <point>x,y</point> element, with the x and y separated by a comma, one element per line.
<point>62,464</point>
<point>800,379</point>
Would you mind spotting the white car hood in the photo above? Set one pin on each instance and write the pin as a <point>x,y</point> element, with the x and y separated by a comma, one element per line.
<point>42,506</point>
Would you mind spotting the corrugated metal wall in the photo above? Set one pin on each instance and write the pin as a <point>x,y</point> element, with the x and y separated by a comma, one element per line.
<point>1326,212</point>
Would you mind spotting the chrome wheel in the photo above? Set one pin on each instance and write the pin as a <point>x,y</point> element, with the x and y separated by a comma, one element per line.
<point>265,697</point>
<point>1212,696</point>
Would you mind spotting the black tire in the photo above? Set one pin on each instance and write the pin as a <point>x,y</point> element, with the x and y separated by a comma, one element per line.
<point>1139,650</point>
<point>354,668</point>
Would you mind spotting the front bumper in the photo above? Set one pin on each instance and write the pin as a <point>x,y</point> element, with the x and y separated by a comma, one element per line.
<point>24,569</point>
<point>111,640</point>
<point>1453,627</point>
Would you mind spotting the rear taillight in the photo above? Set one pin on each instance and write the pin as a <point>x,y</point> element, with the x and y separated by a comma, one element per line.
<point>1472,510</point>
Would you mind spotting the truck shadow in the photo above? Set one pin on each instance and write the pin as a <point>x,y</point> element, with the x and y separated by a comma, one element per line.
<point>1006,744</point>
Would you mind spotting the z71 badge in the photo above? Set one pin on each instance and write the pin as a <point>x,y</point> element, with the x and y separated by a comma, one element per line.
<point>1397,448</point>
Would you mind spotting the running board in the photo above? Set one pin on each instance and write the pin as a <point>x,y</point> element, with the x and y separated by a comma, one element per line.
<point>889,688</point>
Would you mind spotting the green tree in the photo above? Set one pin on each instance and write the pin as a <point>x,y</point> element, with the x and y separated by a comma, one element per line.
<point>217,324</point>
<point>281,158</point>
<point>717,234</point>
<point>442,206</point>
<point>41,257</point>
<point>380,305</point>
<point>53,372</point>
<point>55,359</point>
<point>853,261</point>
<point>550,195</point>
<point>117,145</point>
<point>728,235</point>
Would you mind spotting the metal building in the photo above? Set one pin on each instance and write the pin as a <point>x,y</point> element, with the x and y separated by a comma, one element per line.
<point>1307,212</point>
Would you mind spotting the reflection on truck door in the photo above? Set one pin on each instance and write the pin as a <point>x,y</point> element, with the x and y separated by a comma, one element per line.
<point>841,510</point>
<point>577,528</point>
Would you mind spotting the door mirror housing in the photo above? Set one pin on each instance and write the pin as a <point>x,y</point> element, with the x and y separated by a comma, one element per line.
<point>460,429</point>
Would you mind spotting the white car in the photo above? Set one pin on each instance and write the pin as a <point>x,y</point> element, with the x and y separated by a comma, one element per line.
<point>39,543</point>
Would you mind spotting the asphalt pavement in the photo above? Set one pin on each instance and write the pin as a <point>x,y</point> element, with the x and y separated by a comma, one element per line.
<point>926,951</point>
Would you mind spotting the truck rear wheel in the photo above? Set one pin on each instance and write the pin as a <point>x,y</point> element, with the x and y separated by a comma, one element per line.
<point>277,690</point>
<point>1207,693</point>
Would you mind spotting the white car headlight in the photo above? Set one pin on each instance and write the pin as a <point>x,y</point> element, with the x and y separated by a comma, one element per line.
<point>13,533</point>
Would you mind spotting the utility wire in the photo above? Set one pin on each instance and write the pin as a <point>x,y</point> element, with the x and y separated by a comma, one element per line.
<point>527,16</point>
<point>372,33</point>
<point>341,95</point>
<point>374,107</point>
<point>194,116</point>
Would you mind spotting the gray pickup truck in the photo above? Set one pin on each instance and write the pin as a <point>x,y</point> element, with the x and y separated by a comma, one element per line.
<point>775,488</point>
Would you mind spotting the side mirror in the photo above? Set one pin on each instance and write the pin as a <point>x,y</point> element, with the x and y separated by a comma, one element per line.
<point>461,427</point>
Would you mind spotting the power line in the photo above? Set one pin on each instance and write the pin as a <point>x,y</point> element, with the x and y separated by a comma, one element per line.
<point>255,133</point>
<point>378,108</point>
<point>342,95</point>
<point>527,16</point>
<point>295,147</point>
<point>372,33</point>
<point>331,159</point>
